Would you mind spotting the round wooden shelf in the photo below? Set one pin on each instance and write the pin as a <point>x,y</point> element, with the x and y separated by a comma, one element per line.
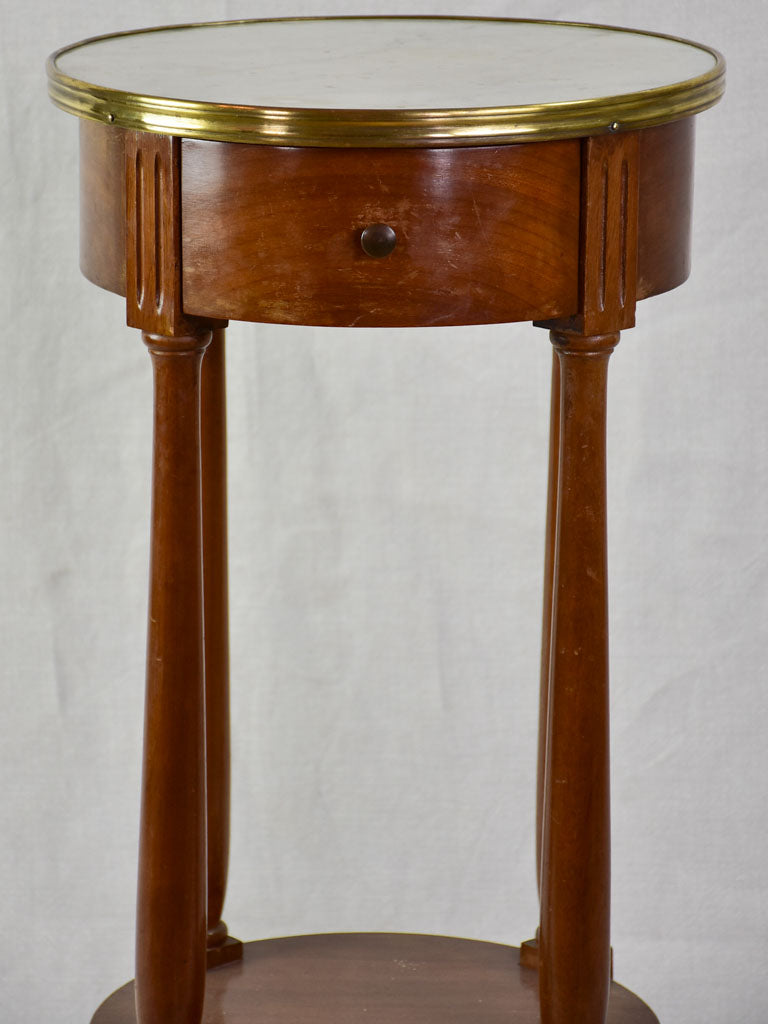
<point>379,978</point>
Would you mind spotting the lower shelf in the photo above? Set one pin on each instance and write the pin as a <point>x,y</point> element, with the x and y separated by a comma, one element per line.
<point>378,978</point>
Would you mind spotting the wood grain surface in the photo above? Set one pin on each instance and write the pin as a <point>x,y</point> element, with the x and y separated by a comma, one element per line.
<point>374,979</point>
<point>609,210</point>
<point>665,207</point>
<point>153,229</point>
<point>171,904</point>
<point>608,237</point>
<point>550,531</point>
<point>483,235</point>
<point>665,187</point>
<point>213,433</point>
<point>573,810</point>
<point>575,842</point>
<point>102,205</point>
<point>570,233</point>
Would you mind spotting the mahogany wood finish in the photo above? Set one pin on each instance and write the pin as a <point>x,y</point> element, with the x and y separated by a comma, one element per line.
<point>609,209</point>
<point>574,950</point>
<point>548,601</point>
<point>569,234</point>
<point>173,905</point>
<point>483,235</point>
<point>153,234</point>
<point>609,225</point>
<point>215,602</point>
<point>665,173</point>
<point>529,950</point>
<point>575,868</point>
<point>102,205</point>
<point>377,978</point>
<point>665,206</point>
<point>171,912</point>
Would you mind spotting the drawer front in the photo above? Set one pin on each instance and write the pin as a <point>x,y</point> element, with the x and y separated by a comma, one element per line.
<point>481,235</point>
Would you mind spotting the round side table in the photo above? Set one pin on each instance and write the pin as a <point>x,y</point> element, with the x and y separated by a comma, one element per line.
<point>376,172</point>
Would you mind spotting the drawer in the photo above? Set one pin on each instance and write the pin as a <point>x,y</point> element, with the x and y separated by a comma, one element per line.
<point>481,235</point>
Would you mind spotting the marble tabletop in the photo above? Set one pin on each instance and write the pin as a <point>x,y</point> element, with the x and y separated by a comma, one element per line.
<point>395,65</point>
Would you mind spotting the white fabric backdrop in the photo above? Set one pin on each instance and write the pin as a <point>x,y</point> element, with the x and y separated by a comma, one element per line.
<point>387,497</point>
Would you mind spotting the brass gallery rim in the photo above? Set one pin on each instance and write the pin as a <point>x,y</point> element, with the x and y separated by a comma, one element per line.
<point>347,127</point>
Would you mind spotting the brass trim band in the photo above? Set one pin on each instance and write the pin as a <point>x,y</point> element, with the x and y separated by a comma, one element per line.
<point>384,128</point>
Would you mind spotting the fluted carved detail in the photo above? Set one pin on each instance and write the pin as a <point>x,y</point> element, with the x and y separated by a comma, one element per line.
<point>608,246</point>
<point>609,233</point>
<point>153,234</point>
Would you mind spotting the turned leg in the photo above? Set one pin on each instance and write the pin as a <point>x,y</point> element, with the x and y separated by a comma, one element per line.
<point>575,862</point>
<point>221,949</point>
<point>546,624</point>
<point>529,950</point>
<point>171,914</point>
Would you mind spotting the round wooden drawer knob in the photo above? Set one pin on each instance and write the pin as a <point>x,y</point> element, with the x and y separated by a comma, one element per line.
<point>378,240</point>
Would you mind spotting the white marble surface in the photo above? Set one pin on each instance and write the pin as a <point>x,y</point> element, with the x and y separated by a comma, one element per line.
<point>396,63</point>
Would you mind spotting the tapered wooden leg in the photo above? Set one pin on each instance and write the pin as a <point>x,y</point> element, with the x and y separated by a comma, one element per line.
<point>546,624</point>
<point>575,865</point>
<point>221,947</point>
<point>171,914</point>
<point>529,950</point>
